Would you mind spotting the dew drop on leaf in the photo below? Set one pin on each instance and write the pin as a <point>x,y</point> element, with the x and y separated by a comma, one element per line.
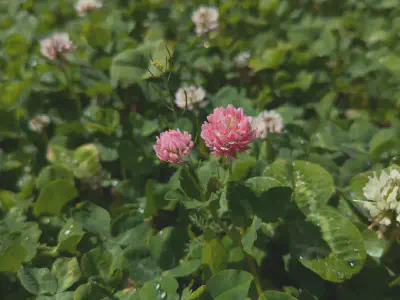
<point>163,295</point>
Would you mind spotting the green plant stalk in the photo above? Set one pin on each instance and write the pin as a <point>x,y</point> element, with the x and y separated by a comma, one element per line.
<point>123,171</point>
<point>195,182</point>
<point>263,152</point>
<point>170,99</point>
<point>139,145</point>
<point>77,100</point>
<point>45,138</point>
<point>230,169</point>
<point>78,105</point>
<point>253,271</point>
<point>249,260</point>
<point>232,235</point>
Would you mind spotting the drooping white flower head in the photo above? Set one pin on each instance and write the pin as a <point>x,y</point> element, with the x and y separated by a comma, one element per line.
<point>267,122</point>
<point>82,7</point>
<point>383,197</point>
<point>56,44</point>
<point>242,59</point>
<point>205,18</point>
<point>190,97</point>
<point>38,123</point>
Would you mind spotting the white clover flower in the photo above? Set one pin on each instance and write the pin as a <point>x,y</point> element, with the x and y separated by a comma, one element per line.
<point>82,7</point>
<point>267,122</point>
<point>383,197</point>
<point>205,18</point>
<point>38,123</point>
<point>242,59</point>
<point>190,97</point>
<point>55,44</point>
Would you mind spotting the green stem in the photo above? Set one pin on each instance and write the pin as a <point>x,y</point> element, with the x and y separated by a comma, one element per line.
<point>249,259</point>
<point>123,171</point>
<point>263,153</point>
<point>170,100</point>
<point>236,237</point>
<point>195,182</point>
<point>139,145</point>
<point>75,96</point>
<point>253,270</point>
<point>230,171</point>
<point>45,138</point>
<point>78,105</point>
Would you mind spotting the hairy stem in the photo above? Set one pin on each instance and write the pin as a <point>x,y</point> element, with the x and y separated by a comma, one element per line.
<point>249,259</point>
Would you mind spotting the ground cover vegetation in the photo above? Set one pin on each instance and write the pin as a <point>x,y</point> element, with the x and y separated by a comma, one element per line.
<point>194,150</point>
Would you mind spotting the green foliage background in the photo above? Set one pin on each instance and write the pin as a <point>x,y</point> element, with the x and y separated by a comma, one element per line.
<point>88,212</point>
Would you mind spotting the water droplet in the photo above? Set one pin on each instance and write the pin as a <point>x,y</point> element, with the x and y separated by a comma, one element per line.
<point>351,264</point>
<point>301,257</point>
<point>319,225</point>
<point>67,232</point>
<point>160,232</point>
<point>33,63</point>
<point>163,295</point>
<point>340,275</point>
<point>114,183</point>
<point>157,286</point>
